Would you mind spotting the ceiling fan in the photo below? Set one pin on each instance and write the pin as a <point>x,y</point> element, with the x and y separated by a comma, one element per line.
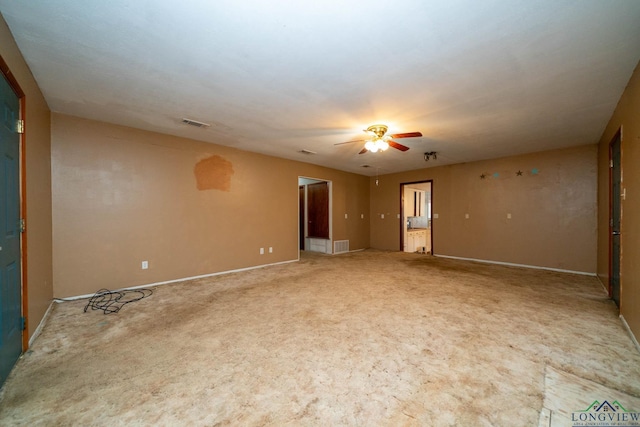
<point>380,141</point>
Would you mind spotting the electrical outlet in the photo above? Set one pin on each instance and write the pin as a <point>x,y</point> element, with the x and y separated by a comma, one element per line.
<point>381,216</point>
<point>466,216</point>
<point>270,250</point>
<point>346,216</point>
<point>508,216</point>
<point>361,216</point>
<point>145,265</point>
<point>261,251</point>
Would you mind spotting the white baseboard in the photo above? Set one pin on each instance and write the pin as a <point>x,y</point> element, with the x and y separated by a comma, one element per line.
<point>43,321</point>
<point>633,337</point>
<point>149,285</point>
<point>604,286</point>
<point>350,252</point>
<point>584,273</point>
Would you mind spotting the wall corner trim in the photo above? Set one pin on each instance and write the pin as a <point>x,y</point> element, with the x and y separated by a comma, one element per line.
<point>630,332</point>
<point>604,286</point>
<point>41,325</point>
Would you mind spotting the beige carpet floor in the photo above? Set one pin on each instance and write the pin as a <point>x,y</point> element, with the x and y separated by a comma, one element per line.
<point>368,338</point>
<point>567,397</point>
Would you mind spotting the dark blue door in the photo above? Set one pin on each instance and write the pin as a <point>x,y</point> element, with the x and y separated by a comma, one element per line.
<point>10,272</point>
<point>616,217</point>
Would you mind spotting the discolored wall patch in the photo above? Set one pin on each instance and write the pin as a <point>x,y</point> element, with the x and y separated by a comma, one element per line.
<point>213,173</point>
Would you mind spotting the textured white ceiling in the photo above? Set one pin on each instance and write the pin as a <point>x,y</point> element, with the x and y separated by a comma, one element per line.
<point>479,79</point>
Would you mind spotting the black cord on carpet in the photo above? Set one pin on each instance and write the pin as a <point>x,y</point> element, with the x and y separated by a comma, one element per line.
<point>112,301</point>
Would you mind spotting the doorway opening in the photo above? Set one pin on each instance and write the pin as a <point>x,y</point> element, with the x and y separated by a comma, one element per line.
<point>315,207</point>
<point>615,215</point>
<point>416,228</point>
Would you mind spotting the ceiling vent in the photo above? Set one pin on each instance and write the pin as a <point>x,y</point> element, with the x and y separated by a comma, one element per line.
<point>305,151</point>
<point>195,123</point>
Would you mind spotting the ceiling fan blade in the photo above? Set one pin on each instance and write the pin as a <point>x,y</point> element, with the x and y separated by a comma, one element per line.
<point>397,145</point>
<point>364,150</point>
<point>406,135</point>
<point>349,142</point>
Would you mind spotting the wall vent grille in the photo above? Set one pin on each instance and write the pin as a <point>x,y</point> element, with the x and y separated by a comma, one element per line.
<point>340,246</point>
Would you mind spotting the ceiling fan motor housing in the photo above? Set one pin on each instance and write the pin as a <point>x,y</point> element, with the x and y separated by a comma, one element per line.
<point>378,130</point>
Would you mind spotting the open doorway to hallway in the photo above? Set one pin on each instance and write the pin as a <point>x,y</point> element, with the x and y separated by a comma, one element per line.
<point>416,232</point>
<point>314,222</point>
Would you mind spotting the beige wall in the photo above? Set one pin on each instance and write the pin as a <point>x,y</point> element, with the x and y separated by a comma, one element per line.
<point>38,182</point>
<point>123,195</point>
<point>627,117</point>
<point>553,212</point>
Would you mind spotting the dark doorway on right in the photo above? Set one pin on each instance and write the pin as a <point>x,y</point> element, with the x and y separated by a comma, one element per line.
<point>615,215</point>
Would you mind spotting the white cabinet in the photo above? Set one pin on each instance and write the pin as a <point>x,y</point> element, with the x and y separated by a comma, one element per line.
<point>409,206</point>
<point>411,242</point>
<point>416,239</point>
<point>421,239</point>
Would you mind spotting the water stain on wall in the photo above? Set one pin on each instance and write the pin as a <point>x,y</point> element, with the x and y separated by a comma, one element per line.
<point>213,173</point>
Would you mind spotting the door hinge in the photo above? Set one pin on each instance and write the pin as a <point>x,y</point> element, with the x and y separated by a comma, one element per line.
<point>23,225</point>
<point>23,323</point>
<point>20,126</point>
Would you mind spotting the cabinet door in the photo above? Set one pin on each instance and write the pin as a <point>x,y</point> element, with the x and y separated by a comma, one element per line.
<point>408,202</point>
<point>423,239</point>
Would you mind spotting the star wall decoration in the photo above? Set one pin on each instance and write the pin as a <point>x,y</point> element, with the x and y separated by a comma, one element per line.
<point>519,172</point>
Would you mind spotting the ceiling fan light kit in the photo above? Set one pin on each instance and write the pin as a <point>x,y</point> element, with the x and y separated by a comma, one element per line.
<point>382,142</point>
<point>377,144</point>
